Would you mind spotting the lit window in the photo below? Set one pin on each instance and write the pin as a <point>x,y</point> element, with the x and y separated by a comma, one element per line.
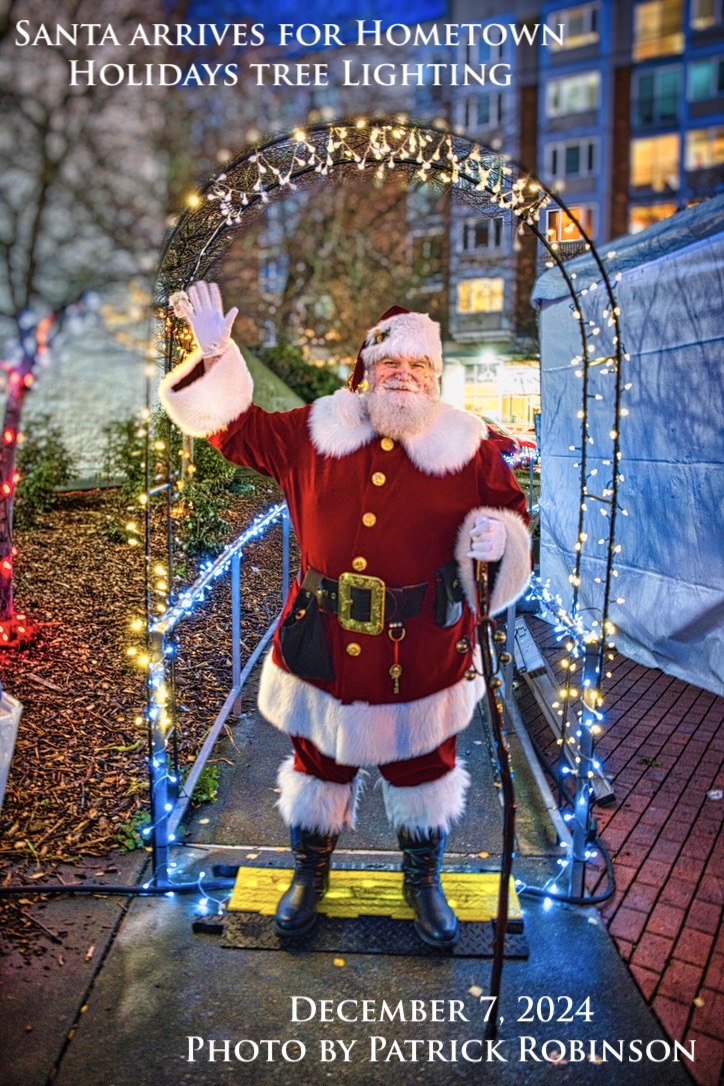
<point>571,158</point>
<point>704,13</point>
<point>657,29</point>
<point>580,26</point>
<point>573,94</point>
<point>561,229</point>
<point>480,295</point>
<point>655,162</point>
<point>641,217</point>
<point>705,79</point>
<point>705,148</point>
<point>483,110</point>
<point>656,96</point>
<point>482,234</point>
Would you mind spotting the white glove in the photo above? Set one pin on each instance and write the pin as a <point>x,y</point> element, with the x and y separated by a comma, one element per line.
<point>203,308</point>
<point>487,540</point>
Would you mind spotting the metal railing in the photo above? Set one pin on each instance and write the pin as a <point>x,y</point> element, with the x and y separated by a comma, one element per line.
<point>169,798</point>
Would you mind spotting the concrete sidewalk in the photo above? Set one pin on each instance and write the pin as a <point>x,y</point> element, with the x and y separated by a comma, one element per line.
<point>122,1013</point>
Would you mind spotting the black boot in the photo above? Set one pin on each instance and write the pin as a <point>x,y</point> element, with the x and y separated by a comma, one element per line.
<point>297,909</point>
<point>435,922</point>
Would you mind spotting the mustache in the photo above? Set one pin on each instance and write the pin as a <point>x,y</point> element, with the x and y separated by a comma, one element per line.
<point>400,383</point>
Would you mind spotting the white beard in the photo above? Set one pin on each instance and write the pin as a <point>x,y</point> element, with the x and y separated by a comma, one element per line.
<point>399,414</point>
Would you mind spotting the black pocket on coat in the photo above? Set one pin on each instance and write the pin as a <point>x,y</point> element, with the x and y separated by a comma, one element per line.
<point>303,644</point>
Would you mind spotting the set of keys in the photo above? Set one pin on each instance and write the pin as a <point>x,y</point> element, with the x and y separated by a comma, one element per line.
<point>396,632</point>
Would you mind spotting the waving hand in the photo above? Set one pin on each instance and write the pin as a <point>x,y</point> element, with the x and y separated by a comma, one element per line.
<point>203,308</point>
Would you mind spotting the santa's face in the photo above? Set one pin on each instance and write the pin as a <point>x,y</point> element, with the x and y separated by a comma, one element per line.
<point>403,396</point>
<point>403,375</point>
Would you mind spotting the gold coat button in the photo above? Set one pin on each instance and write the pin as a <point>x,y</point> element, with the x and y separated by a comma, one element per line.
<point>369,520</point>
<point>463,645</point>
<point>359,564</point>
<point>387,444</point>
<point>353,649</point>
<point>379,479</point>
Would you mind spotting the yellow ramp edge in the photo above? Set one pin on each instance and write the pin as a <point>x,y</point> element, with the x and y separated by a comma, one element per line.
<point>371,893</point>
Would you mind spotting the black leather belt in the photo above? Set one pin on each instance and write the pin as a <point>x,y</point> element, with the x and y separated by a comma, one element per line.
<point>364,604</point>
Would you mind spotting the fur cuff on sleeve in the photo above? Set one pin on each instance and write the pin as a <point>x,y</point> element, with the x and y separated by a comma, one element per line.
<point>214,400</point>
<point>514,566</point>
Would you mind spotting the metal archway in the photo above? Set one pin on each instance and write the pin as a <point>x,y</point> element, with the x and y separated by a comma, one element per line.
<point>483,178</point>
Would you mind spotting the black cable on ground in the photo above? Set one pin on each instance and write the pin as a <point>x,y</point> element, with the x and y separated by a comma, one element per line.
<point>114,890</point>
<point>563,899</point>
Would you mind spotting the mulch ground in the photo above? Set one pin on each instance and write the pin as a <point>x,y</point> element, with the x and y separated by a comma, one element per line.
<point>663,749</point>
<point>78,785</point>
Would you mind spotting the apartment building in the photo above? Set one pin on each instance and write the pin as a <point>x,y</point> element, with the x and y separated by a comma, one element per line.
<point>490,267</point>
<point>676,107</point>
<point>623,118</point>
<point>638,96</point>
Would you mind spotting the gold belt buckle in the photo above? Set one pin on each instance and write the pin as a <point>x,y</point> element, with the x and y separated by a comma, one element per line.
<point>376,588</point>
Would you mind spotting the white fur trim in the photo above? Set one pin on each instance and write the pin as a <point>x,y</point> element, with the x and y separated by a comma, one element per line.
<point>449,442</point>
<point>214,400</point>
<point>363,734</point>
<point>339,425</point>
<point>514,569</point>
<point>431,806</point>
<point>408,335</point>
<point>317,806</point>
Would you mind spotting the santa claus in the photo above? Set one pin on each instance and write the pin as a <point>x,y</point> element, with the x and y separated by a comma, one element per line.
<point>392,495</point>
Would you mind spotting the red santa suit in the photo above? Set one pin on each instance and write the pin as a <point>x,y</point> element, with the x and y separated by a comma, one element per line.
<point>398,511</point>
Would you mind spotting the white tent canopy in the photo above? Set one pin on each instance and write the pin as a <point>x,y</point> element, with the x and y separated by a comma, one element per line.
<point>671,565</point>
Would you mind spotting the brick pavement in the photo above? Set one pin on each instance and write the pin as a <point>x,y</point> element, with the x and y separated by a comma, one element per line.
<point>663,748</point>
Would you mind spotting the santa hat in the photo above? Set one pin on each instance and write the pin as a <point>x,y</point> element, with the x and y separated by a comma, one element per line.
<point>399,334</point>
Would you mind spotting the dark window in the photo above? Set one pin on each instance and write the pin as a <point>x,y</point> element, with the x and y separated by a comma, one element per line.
<point>483,234</point>
<point>657,96</point>
<point>573,158</point>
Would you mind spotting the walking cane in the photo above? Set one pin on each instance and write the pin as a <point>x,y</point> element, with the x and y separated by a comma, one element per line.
<point>488,640</point>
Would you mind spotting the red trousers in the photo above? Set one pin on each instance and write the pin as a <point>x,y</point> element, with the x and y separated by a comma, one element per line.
<point>403,774</point>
